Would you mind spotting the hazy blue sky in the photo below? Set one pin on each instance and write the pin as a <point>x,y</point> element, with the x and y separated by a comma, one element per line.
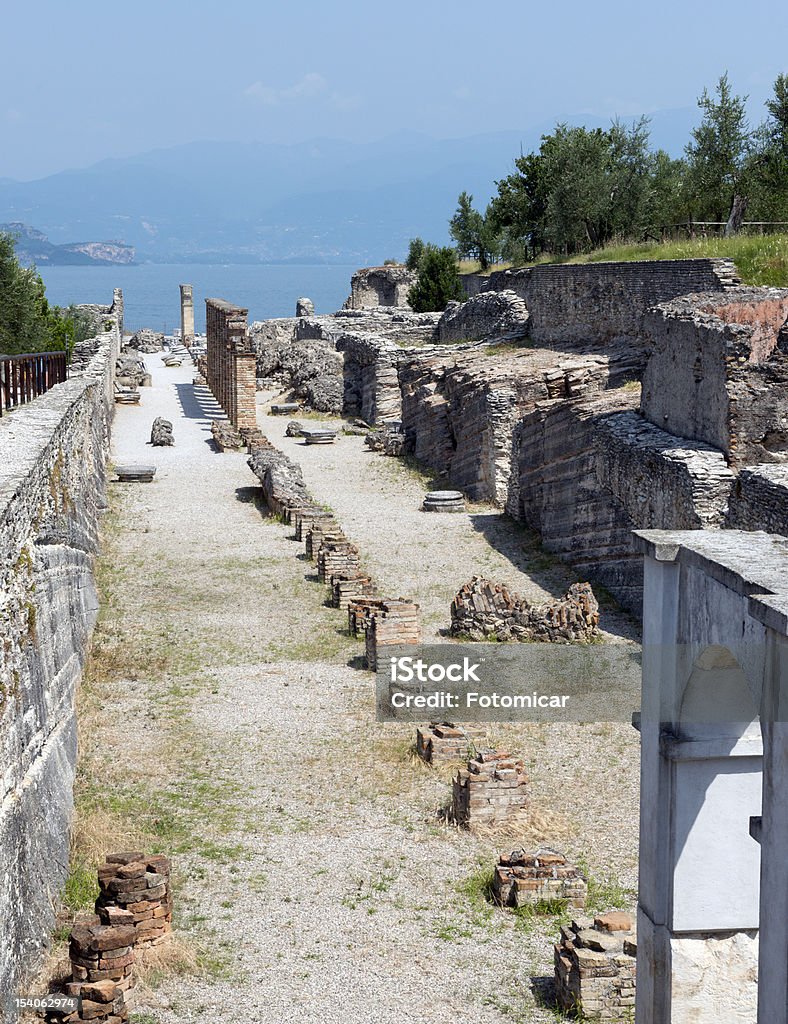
<point>87,79</point>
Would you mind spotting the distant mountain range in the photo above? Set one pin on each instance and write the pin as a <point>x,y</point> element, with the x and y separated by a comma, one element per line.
<point>324,201</point>
<point>33,246</point>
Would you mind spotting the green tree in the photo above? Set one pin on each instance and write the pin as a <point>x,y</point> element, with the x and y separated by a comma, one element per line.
<point>415,253</point>
<point>27,322</point>
<point>717,154</point>
<point>438,281</point>
<point>767,171</point>
<point>473,232</point>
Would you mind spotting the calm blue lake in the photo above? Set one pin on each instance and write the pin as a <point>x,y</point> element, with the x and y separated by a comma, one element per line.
<point>152,298</point>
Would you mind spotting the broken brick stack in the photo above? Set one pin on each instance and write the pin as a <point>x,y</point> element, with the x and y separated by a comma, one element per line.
<point>483,608</point>
<point>337,557</point>
<point>102,961</point>
<point>385,622</point>
<point>442,743</point>
<point>490,791</point>
<point>595,967</point>
<point>527,879</point>
<point>394,623</point>
<point>135,891</point>
<point>350,587</point>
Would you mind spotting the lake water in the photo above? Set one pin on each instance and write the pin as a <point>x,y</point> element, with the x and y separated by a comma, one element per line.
<point>152,298</point>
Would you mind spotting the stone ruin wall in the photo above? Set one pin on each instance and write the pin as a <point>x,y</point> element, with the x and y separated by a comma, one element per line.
<point>380,286</point>
<point>596,303</point>
<point>53,455</point>
<point>566,443</point>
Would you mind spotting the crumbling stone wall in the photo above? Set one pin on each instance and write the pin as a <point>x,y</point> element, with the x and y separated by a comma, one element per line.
<point>371,386</point>
<point>53,456</point>
<point>483,608</point>
<point>297,355</point>
<point>380,286</point>
<point>759,500</point>
<point>487,315</point>
<point>594,304</point>
<point>718,372</point>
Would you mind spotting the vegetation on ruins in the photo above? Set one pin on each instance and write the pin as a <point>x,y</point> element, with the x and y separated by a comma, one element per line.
<point>27,322</point>
<point>587,187</point>
<point>438,280</point>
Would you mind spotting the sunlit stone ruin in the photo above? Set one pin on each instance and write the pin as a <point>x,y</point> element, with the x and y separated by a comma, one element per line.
<point>632,418</point>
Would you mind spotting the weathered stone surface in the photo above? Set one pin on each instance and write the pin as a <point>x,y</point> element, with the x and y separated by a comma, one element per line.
<point>594,974</point>
<point>130,370</point>
<point>594,304</point>
<point>483,608</point>
<point>161,435</point>
<point>294,429</point>
<point>145,340</point>
<point>759,500</point>
<point>487,315</point>
<point>53,476</point>
<point>717,372</point>
<point>304,307</point>
<point>380,286</point>
<point>522,878</point>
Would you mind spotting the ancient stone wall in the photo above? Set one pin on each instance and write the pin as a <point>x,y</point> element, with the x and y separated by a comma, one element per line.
<point>717,372</point>
<point>52,489</point>
<point>297,355</point>
<point>370,383</point>
<point>487,315</point>
<point>759,500</point>
<point>593,304</point>
<point>380,286</point>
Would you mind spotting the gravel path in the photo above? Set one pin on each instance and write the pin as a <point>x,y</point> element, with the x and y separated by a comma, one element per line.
<point>310,858</point>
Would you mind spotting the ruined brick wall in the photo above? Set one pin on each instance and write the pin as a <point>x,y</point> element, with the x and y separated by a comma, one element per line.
<point>717,372</point>
<point>231,372</point>
<point>593,304</point>
<point>53,455</point>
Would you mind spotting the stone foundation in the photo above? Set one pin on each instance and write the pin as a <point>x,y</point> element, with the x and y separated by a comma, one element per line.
<point>527,879</point>
<point>345,589</point>
<point>359,613</point>
<point>595,968</point>
<point>484,608</point>
<point>492,790</point>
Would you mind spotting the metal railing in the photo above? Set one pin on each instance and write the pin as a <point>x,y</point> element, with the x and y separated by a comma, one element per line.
<point>25,377</point>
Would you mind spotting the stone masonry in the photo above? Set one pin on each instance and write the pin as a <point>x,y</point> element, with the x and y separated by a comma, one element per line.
<point>595,968</point>
<point>539,878</point>
<point>380,286</point>
<point>483,608</point>
<point>231,363</point>
<point>492,790</point>
<point>53,474</point>
<point>187,315</point>
<point>135,891</point>
<point>443,743</point>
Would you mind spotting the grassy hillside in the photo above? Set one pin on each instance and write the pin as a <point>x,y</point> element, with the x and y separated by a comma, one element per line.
<point>761,259</point>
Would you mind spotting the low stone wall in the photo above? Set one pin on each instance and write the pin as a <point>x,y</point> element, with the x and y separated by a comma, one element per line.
<point>594,304</point>
<point>759,500</point>
<point>53,455</point>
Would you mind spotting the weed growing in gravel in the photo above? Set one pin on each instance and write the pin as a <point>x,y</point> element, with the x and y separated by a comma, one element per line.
<point>605,893</point>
